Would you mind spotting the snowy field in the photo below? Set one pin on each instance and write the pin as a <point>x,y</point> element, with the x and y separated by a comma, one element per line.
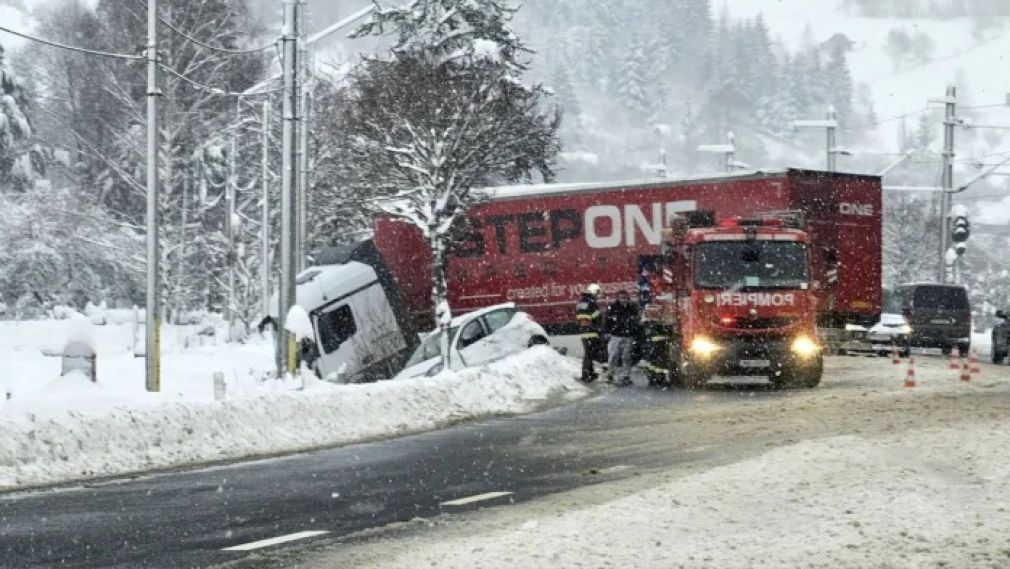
<point>918,479</point>
<point>55,429</point>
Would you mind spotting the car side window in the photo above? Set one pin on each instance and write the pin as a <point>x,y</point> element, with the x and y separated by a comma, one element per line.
<point>336,327</point>
<point>471,334</point>
<point>498,319</point>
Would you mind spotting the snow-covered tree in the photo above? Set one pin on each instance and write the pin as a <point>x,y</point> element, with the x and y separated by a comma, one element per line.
<point>22,160</point>
<point>446,114</point>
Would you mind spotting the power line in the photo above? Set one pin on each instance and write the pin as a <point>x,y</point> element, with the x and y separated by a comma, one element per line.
<point>880,122</point>
<point>216,90</point>
<point>71,47</point>
<point>205,45</point>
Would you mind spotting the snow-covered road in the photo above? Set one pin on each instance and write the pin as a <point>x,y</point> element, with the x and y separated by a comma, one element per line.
<point>859,473</point>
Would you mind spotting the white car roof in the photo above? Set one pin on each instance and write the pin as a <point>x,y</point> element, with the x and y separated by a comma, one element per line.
<point>464,318</point>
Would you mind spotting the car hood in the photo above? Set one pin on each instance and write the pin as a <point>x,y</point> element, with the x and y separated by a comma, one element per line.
<point>417,370</point>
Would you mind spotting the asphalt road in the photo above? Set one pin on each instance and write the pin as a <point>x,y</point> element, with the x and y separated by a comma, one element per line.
<point>188,519</point>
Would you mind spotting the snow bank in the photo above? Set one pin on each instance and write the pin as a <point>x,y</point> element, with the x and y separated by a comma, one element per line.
<point>63,445</point>
<point>935,498</point>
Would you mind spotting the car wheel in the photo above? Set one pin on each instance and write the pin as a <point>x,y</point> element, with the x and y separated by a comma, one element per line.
<point>946,350</point>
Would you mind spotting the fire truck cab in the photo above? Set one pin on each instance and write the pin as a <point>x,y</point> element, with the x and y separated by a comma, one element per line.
<point>735,298</point>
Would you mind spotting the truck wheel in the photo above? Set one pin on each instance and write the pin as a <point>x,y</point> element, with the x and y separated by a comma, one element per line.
<point>965,350</point>
<point>998,355</point>
<point>691,376</point>
<point>798,376</point>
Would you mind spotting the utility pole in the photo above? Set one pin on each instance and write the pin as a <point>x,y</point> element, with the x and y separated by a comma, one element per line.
<point>947,183</point>
<point>229,221</point>
<point>289,184</point>
<point>303,143</point>
<point>832,121</point>
<point>728,150</point>
<point>830,125</point>
<point>265,211</point>
<point>152,352</point>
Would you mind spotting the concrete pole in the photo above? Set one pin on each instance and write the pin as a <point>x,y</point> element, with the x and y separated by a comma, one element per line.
<point>265,212</point>
<point>947,182</point>
<point>731,154</point>
<point>303,140</point>
<point>289,183</point>
<point>229,221</point>
<point>832,143</point>
<point>153,323</point>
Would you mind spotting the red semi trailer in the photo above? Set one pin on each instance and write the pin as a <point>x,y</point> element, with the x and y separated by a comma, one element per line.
<point>540,245</point>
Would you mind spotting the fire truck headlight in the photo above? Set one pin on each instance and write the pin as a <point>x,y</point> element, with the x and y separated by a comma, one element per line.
<point>804,347</point>
<point>703,347</point>
<point>905,329</point>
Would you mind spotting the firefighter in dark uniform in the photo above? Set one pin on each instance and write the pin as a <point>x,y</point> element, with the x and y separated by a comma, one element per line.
<point>656,335</point>
<point>589,320</point>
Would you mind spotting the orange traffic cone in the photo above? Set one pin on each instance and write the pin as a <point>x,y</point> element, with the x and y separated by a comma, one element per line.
<point>975,368</point>
<point>965,373</point>
<point>895,357</point>
<point>955,358</point>
<point>910,374</point>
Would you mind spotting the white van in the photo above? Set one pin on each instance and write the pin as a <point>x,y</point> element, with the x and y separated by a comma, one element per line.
<point>363,330</point>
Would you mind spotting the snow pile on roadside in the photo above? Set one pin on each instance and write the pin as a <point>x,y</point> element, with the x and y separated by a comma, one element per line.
<point>937,498</point>
<point>62,445</point>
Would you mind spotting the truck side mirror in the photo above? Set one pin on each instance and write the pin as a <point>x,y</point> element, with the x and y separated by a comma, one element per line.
<point>906,311</point>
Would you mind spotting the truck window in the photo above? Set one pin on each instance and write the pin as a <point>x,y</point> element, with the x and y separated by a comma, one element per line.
<point>755,264</point>
<point>940,297</point>
<point>336,327</point>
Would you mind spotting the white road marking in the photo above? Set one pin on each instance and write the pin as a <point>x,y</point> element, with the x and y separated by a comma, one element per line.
<point>477,498</point>
<point>274,541</point>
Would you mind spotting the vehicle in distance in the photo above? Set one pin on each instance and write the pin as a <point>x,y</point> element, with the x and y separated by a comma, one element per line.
<point>1001,338</point>
<point>939,316</point>
<point>476,338</point>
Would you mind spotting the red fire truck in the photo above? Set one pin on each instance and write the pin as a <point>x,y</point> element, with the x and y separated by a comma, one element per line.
<point>540,246</point>
<point>735,298</point>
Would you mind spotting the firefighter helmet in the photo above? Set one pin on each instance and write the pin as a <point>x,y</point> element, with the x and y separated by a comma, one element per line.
<point>593,289</point>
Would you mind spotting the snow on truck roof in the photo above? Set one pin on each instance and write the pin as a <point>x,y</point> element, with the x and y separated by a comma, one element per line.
<point>506,192</point>
<point>522,191</point>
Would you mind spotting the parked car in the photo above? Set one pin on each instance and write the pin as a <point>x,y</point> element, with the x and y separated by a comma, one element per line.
<point>892,331</point>
<point>476,338</point>
<point>939,316</point>
<point>1001,338</point>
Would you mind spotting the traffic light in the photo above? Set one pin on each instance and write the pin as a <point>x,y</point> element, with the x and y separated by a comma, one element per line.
<point>960,233</point>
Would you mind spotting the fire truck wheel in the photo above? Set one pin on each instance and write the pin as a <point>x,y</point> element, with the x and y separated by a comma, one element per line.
<point>799,376</point>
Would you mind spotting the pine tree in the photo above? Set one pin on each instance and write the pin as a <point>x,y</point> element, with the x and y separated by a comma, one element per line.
<point>21,158</point>
<point>839,84</point>
<point>632,83</point>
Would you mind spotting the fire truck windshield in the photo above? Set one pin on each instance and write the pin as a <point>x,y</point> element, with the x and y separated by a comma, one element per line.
<point>751,264</point>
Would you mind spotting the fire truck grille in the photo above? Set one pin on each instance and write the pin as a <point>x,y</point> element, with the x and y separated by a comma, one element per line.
<point>761,323</point>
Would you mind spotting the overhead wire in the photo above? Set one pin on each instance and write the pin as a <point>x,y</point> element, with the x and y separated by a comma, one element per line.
<point>77,49</point>
<point>216,90</point>
<point>206,45</point>
<point>883,121</point>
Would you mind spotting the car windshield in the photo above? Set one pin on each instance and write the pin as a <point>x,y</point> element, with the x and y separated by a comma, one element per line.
<point>431,347</point>
<point>750,265</point>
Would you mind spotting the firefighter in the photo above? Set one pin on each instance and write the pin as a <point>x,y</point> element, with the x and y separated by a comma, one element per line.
<point>587,316</point>
<point>622,324</point>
